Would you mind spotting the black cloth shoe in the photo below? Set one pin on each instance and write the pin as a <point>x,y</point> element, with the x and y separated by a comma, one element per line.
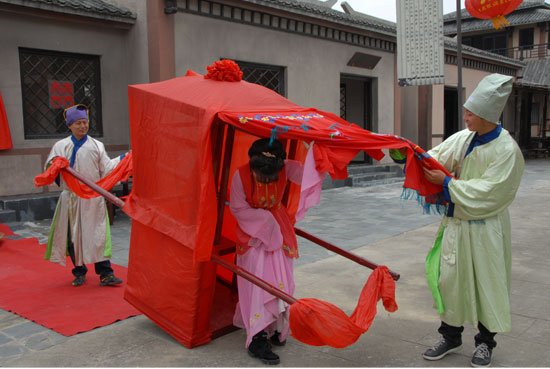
<point>440,350</point>
<point>482,356</point>
<point>260,348</point>
<point>110,280</point>
<point>79,280</point>
<point>276,340</point>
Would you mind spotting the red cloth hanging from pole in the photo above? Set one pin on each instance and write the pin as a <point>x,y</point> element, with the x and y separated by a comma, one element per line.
<point>5,136</point>
<point>120,174</point>
<point>320,323</point>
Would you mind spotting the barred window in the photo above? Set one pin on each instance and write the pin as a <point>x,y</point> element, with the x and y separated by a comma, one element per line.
<point>269,76</point>
<point>51,82</point>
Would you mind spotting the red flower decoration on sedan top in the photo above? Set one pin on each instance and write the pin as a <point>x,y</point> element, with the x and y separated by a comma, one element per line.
<point>224,70</point>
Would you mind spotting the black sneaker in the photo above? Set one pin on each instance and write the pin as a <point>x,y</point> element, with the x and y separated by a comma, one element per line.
<point>79,281</point>
<point>110,280</point>
<point>260,348</point>
<point>440,350</point>
<point>276,339</point>
<point>482,356</point>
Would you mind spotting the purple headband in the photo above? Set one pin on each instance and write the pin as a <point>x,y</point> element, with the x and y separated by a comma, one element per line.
<point>75,113</point>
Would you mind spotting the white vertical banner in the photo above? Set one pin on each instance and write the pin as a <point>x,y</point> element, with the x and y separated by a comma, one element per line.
<point>420,45</point>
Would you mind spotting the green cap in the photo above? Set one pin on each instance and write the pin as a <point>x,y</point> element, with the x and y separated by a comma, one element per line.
<point>489,98</point>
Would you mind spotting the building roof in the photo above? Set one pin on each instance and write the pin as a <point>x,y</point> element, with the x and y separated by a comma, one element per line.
<point>528,12</point>
<point>357,20</point>
<point>97,9</point>
<point>536,74</point>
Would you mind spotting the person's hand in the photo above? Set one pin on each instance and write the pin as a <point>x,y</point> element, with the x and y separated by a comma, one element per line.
<point>434,176</point>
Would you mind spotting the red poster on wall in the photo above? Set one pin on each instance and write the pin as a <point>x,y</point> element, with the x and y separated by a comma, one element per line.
<point>61,94</point>
<point>5,137</point>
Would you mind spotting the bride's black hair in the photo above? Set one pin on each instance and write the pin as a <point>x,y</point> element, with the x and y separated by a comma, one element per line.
<point>267,159</point>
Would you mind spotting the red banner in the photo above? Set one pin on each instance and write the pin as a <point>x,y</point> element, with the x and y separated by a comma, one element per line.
<point>5,136</point>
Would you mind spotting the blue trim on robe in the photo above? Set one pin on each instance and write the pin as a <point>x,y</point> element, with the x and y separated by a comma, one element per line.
<point>77,145</point>
<point>478,140</point>
<point>446,188</point>
<point>446,193</point>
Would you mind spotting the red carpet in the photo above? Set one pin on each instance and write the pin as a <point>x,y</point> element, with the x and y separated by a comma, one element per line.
<point>41,291</point>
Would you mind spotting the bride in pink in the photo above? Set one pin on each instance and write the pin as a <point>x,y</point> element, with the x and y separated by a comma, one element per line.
<point>266,242</point>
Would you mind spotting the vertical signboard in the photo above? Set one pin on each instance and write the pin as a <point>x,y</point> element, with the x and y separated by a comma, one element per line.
<point>420,45</point>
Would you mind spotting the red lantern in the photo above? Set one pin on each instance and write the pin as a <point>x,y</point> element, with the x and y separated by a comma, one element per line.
<point>492,9</point>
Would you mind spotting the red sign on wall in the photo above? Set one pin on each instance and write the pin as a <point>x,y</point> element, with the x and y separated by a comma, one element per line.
<point>61,94</point>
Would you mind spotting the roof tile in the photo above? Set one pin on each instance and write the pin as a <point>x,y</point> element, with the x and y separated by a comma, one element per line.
<point>95,8</point>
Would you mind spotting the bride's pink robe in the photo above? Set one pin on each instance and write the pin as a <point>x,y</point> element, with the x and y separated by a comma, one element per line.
<point>266,255</point>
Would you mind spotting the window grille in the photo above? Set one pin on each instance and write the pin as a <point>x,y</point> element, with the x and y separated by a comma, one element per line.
<point>343,101</point>
<point>52,81</point>
<point>269,76</point>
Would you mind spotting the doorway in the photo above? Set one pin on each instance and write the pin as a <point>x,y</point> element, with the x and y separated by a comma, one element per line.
<point>356,106</point>
<point>450,106</point>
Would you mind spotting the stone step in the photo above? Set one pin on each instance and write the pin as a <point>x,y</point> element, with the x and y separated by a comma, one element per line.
<point>37,207</point>
<point>364,177</point>
<point>360,175</point>
<point>30,208</point>
<point>365,169</point>
<point>378,182</point>
<point>7,216</point>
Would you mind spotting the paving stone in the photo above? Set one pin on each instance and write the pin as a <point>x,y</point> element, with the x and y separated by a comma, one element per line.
<point>12,350</point>
<point>4,339</point>
<point>24,330</point>
<point>40,341</point>
<point>10,319</point>
<point>538,332</point>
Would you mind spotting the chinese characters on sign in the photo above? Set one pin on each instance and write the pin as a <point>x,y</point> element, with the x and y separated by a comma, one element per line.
<point>420,53</point>
<point>61,94</point>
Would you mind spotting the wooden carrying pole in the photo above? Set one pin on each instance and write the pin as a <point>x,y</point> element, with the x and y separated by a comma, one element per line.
<point>215,258</point>
<point>344,253</point>
<point>253,279</point>
<point>108,196</point>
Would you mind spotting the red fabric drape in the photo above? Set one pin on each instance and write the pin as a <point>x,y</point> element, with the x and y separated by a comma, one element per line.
<point>337,142</point>
<point>120,174</point>
<point>319,323</point>
<point>5,136</point>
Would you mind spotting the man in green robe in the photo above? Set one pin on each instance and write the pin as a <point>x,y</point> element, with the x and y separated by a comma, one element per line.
<point>473,249</point>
